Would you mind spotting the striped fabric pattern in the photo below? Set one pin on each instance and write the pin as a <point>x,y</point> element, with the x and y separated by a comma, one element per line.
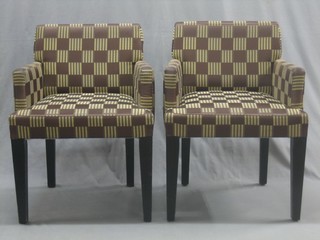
<point>172,84</point>
<point>27,85</point>
<point>82,115</point>
<point>88,57</point>
<point>234,114</point>
<point>223,55</point>
<point>143,78</point>
<point>288,84</point>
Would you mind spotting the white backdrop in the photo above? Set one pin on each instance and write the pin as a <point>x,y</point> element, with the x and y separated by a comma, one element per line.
<point>224,172</point>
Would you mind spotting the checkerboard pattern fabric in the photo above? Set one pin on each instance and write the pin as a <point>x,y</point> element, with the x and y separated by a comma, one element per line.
<point>288,84</point>
<point>96,58</point>
<point>89,81</point>
<point>234,114</point>
<point>226,79</point>
<point>82,115</point>
<point>144,85</point>
<point>172,84</point>
<point>27,85</point>
<point>222,55</point>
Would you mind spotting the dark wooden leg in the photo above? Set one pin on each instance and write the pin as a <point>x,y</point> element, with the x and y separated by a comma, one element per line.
<point>298,152</point>
<point>130,161</point>
<point>264,152</point>
<point>185,161</point>
<point>51,162</point>
<point>145,147</point>
<point>172,152</point>
<point>20,165</point>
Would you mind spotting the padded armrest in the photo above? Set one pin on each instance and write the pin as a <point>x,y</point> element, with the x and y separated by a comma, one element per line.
<point>172,86</point>
<point>288,83</point>
<point>144,85</point>
<point>27,85</point>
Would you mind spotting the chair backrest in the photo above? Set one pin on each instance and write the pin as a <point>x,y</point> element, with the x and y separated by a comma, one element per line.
<point>226,55</point>
<point>96,58</point>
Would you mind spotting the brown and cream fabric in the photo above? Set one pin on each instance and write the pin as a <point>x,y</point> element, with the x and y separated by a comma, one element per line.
<point>226,79</point>
<point>144,85</point>
<point>288,83</point>
<point>27,85</point>
<point>234,114</point>
<point>172,85</point>
<point>89,81</point>
<point>96,58</point>
<point>222,55</point>
<point>82,115</point>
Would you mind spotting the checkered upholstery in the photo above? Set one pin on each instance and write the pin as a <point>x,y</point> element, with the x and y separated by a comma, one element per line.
<point>144,85</point>
<point>288,83</point>
<point>27,85</point>
<point>234,114</point>
<point>226,79</point>
<point>88,57</point>
<point>172,85</point>
<point>82,115</point>
<point>88,81</point>
<point>225,55</point>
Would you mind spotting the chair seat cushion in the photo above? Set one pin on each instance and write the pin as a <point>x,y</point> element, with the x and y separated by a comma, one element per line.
<point>83,115</point>
<point>234,114</point>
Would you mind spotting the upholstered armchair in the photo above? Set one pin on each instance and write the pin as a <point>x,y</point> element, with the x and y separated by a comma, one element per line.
<point>227,79</point>
<point>87,81</point>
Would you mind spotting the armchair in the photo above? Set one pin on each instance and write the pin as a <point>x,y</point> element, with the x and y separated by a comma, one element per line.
<point>87,81</point>
<point>226,79</point>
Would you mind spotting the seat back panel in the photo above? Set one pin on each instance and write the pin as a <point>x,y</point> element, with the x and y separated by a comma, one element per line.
<point>227,55</point>
<point>95,58</point>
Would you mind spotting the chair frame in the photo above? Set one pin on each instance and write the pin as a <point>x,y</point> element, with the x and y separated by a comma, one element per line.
<point>29,89</point>
<point>284,77</point>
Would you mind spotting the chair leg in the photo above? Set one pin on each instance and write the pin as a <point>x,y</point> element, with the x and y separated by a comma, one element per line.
<point>51,162</point>
<point>130,161</point>
<point>20,165</point>
<point>264,152</point>
<point>145,148</point>
<point>298,152</point>
<point>185,161</point>
<point>172,152</point>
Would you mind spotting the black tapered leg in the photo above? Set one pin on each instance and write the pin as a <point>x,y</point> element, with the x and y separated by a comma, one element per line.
<point>130,161</point>
<point>264,152</point>
<point>51,162</point>
<point>20,165</point>
<point>298,152</point>
<point>172,152</point>
<point>145,147</point>
<point>185,161</point>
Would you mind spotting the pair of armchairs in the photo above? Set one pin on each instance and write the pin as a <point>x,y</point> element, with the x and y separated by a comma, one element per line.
<point>226,79</point>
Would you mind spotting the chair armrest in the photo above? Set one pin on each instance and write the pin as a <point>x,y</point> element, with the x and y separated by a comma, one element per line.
<point>144,85</point>
<point>27,85</point>
<point>288,83</point>
<point>172,86</point>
